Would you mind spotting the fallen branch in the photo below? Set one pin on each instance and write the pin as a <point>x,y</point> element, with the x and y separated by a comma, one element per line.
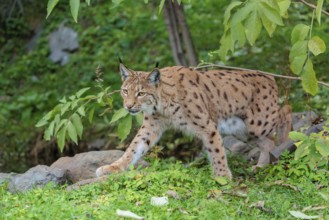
<point>259,71</point>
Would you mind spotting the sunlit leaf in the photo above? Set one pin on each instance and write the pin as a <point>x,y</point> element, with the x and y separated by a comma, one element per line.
<point>161,5</point>
<point>300,215</point>
<point>139,118</point>
<point>72,132</point>
<point>81,111</point>
<point>91,115</point>
<point>309,81</point>
<point>301,151</point>
<point>81,92</point>
<point>124,127</point>
<point>321,146</point>
<point>88,2</point>
<point>119,114</point>
<point>298,63</point>
<point>284,5</point>
<point>316,45</point>
<point>65,107</point>
<point>49,131</point>
<point>269,26</point>
<point>74,6</point>
<point>242,14</point>
<point>299,33</point>
<point>299,48</point>
<point>318,10</point>
<point>271,13</point>
<point>253,27</point>
<point>61,138</point>
<point>76,120</point>
<point>51,5</point>
<point>297,136</point>
<point>227,13</point>
<point>238,34</point>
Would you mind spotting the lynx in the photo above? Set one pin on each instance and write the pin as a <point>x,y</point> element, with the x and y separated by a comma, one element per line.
<point>207,104</point>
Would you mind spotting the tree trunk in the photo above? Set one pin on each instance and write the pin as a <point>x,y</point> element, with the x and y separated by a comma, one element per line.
<point>180,39</point>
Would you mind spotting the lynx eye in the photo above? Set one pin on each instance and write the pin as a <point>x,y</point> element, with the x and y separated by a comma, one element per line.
<point>141,94</point>
<point>125,91</point>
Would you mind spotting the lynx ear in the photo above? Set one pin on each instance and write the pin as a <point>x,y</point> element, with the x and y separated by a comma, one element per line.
<point>125,72</point>
<point>154,76</point>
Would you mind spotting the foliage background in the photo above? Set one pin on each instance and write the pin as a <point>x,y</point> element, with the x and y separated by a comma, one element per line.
<point>30,84</point>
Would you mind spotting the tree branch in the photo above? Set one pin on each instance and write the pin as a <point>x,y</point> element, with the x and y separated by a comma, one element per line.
<point>259,71</point>
<point>314,7</point>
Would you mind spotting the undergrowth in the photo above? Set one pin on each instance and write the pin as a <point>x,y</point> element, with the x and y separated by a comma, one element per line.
<point>269,193</point>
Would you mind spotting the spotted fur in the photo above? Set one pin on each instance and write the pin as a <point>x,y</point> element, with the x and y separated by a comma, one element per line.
<point>208,104</point>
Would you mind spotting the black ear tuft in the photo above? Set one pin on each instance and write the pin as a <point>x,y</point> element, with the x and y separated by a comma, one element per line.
<point>124,71</point>
<point>120,61</point>
<point>154,76</point>
<point>157,64</point>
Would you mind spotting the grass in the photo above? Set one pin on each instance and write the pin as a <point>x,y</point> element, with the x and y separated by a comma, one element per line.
<point>249,196</point>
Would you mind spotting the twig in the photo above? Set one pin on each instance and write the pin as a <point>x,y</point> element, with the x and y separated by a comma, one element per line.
<point>314,7</point>
<point>259,71</point>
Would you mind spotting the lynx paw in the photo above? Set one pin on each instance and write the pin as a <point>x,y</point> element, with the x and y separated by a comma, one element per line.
<point>107,169</point>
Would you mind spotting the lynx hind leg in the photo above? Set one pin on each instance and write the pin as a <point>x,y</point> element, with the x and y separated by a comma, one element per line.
<point>266,145</point>
<point>285,123</point>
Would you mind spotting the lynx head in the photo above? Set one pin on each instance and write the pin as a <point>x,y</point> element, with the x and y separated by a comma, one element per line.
<point>139,90</point>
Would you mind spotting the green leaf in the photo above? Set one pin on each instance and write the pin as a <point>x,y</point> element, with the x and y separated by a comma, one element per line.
<point>238,34</point>
<point>298,49</point>
<point>74,5</point>
<point>72,132</point>
<point>316,45</point>
<point>124,127</point>
<point>309,81</point>
<point>253,27</point>
<point>81,92</point>
<point>63,100</point>
<point>77,124</point>
<point>269,25</point>
<point>227,13</point>
<point>297,136</point>
<point>49,131</point>
<point>300,215</point>
<point>139,118</point>
<point>41,123</point>
<point>51,5</point>
<point>318,11</point>
<point>60,125</point>
<point>65,107</point>
<point>284,5</point>
<point>221,180</point>
<point>61,138</point>
<point>146,1</point>
<point>91,115</point>
<point>161,5</point>
<point>74,104</point>
<point>88,2</point>
<point>302,150</point>
<point>271,13</point>
<point>243,13</point>
<point>321,146</point>
<point>299,33</point>
<point>119,114</point>
<point>81,111</point>
<point>297,64</point>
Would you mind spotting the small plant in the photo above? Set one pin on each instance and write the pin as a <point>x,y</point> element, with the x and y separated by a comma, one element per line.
<point>314,148</point>
<point>64,121</point>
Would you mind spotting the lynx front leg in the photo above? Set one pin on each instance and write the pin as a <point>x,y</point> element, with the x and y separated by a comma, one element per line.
<point>145,139</point>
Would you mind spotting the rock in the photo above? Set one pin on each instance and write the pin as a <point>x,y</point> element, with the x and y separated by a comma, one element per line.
<point>83,166</point>
<point>61,42</point>
<point>35,177</point>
